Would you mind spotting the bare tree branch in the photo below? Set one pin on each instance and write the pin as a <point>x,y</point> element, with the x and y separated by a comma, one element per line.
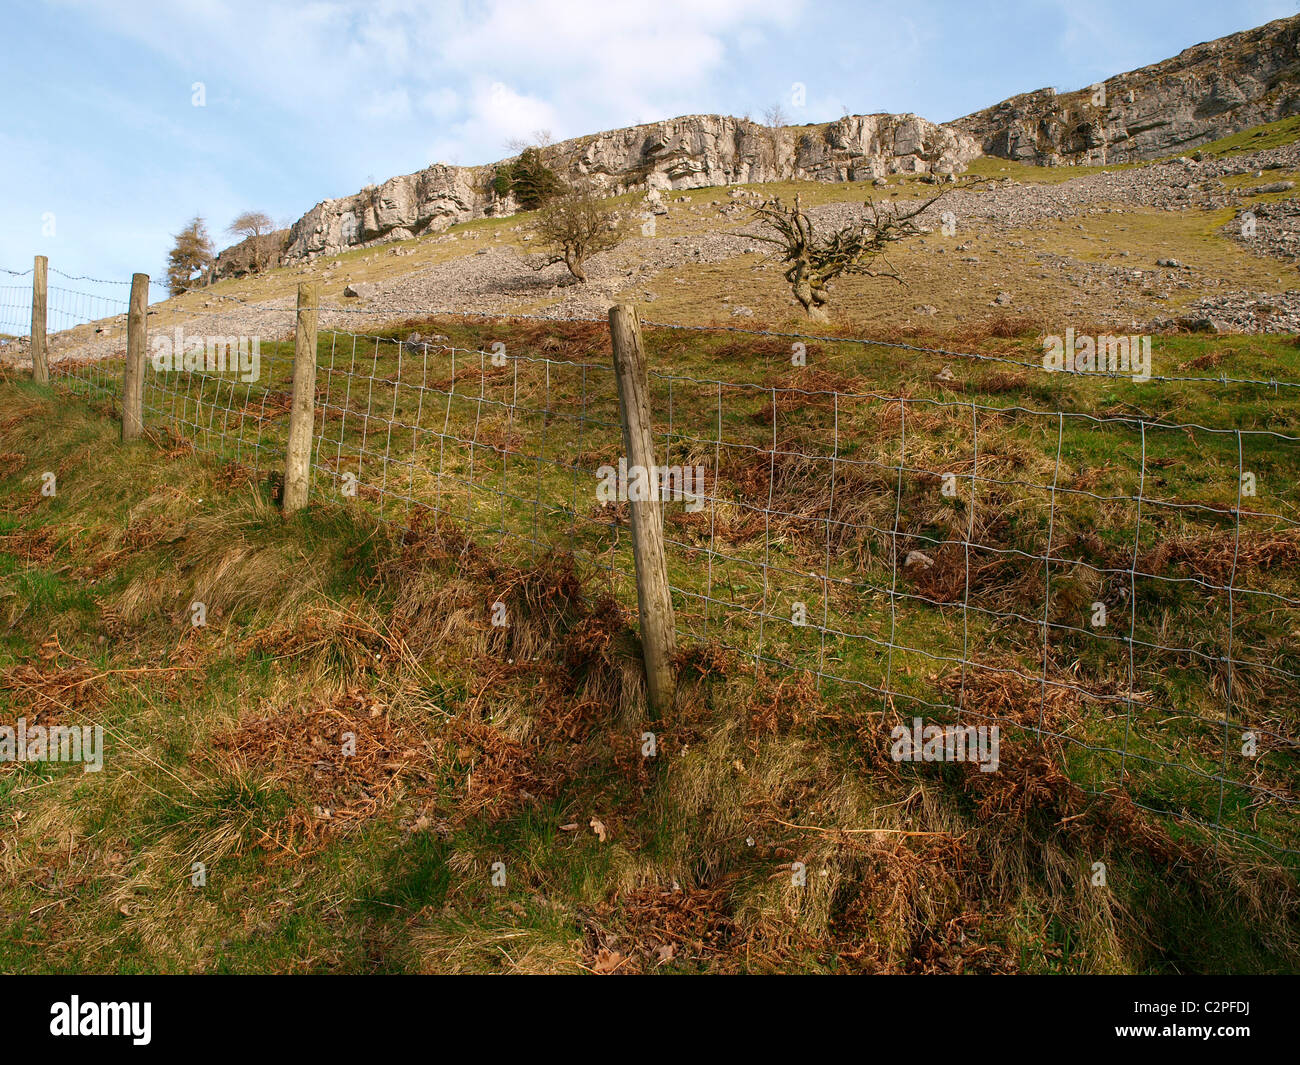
<point>816,259</point>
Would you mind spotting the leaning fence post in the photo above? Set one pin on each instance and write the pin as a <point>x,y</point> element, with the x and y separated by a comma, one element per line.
<point>40,362</point>
<point>133,375</point>
<point>302,412</point>
<point>654,599</point>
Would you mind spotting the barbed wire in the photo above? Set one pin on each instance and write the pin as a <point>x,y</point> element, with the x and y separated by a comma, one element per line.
<point>79,277</point>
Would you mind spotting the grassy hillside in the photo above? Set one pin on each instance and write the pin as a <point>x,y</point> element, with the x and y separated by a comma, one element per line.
<point>523,745</point>
<point>1100,264</point>
<point>1256,138</point>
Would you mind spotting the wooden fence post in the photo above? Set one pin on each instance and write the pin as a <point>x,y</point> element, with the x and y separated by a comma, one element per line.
<point>302,412</point>
<point>653,596</point>
<point>40,283</point>
<point>133,375</point>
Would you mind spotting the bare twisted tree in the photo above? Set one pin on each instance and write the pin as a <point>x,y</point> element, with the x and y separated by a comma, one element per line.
<point>816,259</point>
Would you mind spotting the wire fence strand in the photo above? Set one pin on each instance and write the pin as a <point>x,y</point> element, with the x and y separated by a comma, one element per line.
<point>1059,573</point>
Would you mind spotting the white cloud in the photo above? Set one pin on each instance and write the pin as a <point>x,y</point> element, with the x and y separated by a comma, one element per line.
<point>571,65</point>
<point>441,103</point>
<point>599,63</point>
<point>390,105</point>
<point>502,110</point>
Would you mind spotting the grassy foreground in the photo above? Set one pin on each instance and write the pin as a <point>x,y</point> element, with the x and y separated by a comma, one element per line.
<point>227,743</point>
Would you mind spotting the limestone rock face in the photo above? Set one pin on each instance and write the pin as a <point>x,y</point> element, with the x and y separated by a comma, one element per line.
<point>680,153</point>
<point>866,147</point>
<point>1203,93</point>
<point>702,150</point>
<point>400,208</point>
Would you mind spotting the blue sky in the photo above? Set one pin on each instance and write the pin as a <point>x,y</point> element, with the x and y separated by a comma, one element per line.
<point>106,155</point>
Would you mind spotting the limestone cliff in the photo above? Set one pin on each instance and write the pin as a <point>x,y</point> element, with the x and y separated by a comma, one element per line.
<point>680,153</point>
<point>1203,93</point>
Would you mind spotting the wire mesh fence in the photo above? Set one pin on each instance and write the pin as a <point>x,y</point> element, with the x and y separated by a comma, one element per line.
<point>1116,586</point>
<point>15,310</point>
<point>77,317</point>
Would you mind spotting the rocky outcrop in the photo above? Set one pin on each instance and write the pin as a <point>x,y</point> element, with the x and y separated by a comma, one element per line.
<point>681,153</point>
<point>399,209</point>
<point>702,150</point>
<point>1203,93</point>
<point>250,255</point>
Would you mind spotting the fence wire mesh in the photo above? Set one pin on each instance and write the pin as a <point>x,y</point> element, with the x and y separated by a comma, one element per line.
<point>1113,586</point>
